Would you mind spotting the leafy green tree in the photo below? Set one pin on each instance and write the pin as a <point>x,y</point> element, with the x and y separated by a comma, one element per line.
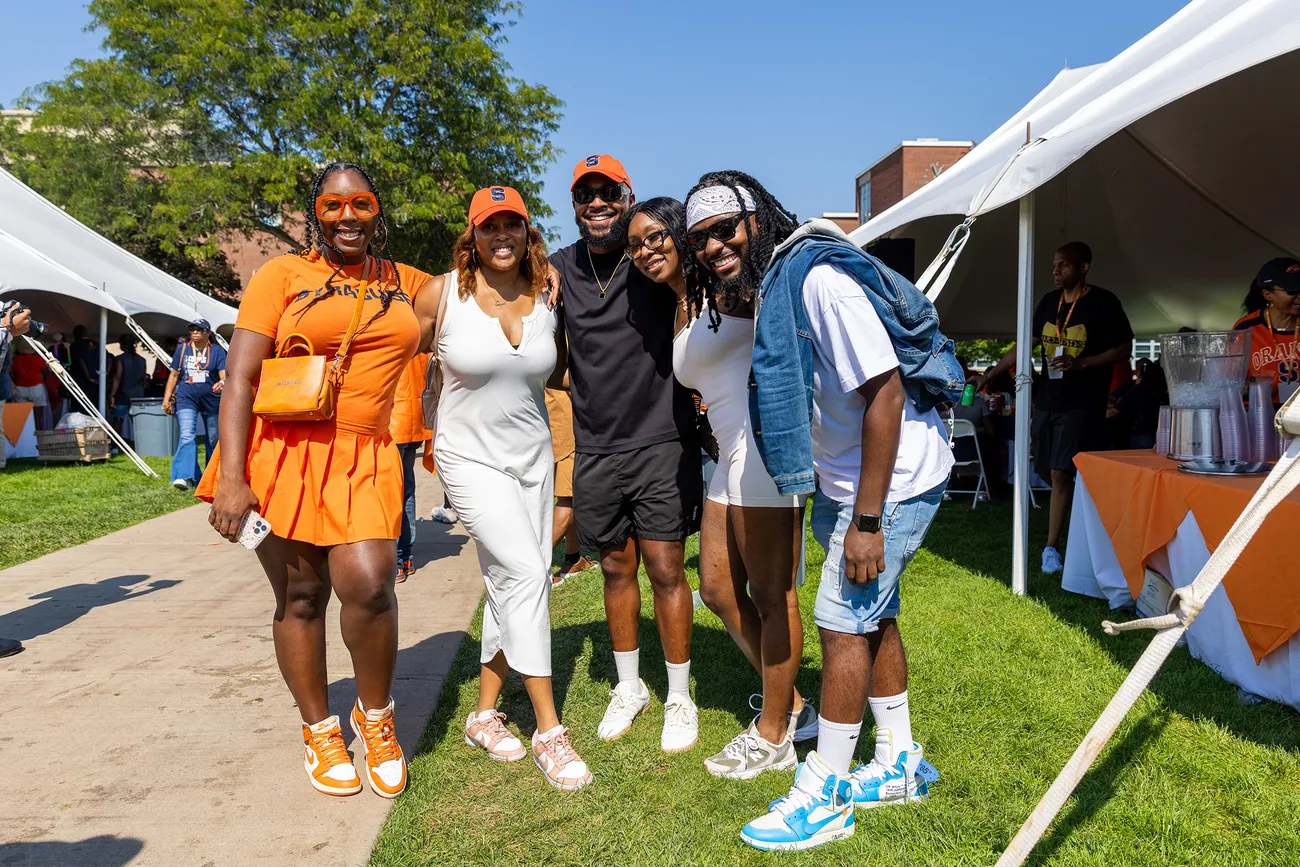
<point>981,351</point>
<point>211,116</point>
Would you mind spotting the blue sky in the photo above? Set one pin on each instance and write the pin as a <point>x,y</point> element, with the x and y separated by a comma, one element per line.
<point>803,95</point>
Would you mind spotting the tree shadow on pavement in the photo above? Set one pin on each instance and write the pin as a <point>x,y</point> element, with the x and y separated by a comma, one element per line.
<point>102,851</point>
<point>1186,685</point>
<point>62,606</point>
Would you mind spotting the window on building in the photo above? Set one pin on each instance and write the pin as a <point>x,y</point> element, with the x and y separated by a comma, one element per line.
<point>864,199</point>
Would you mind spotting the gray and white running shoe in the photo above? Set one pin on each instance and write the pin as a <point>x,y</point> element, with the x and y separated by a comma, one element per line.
<point>749,755</point>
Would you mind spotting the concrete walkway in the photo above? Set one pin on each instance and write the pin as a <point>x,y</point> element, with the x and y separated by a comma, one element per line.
<point>147,723</point>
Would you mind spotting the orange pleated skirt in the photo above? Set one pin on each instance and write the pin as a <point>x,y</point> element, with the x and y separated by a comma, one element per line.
<point>318,484</point>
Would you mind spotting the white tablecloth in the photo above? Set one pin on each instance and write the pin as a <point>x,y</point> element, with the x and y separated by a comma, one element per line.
<point>1091,569</point>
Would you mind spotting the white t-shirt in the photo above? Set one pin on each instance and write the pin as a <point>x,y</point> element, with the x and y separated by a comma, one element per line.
<point>850,346</point>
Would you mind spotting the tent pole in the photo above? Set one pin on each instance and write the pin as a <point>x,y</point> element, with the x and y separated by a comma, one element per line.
<point>103,361</point>
<point>1024,399</point>
<point>154,349</point>
<point>75,390</point>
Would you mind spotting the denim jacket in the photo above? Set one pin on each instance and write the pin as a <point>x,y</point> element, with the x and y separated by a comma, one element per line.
<point>781,378</point>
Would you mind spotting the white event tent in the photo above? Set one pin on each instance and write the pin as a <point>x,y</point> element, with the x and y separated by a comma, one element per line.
<point>1173,161</point>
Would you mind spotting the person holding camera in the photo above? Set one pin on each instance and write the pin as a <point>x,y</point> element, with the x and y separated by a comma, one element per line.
<point>15,321</point>
<point>193,395</point>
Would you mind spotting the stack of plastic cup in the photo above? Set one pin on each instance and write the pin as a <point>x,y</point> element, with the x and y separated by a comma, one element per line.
<point>1234,430</point>
<point>1162,431</point>
<point>1263,435</point>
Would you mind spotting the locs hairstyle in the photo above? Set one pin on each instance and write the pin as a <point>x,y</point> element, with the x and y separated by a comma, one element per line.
<point>775,224</point>
<point>378,244</point>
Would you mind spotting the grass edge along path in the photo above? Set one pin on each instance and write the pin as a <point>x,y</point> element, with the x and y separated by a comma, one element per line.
<point>1002,690</point>
<point>45,507</point>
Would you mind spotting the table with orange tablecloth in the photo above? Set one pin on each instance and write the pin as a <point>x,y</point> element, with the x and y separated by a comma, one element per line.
<point>1133,508</point>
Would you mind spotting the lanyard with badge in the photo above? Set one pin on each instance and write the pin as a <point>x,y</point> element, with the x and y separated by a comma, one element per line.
<point>198,372</point>
<point>1053,372</point>
<point>1284,389</point>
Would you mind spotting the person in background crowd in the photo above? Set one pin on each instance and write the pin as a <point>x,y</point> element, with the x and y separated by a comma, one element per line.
<point>193,395</point>
<point>1082,332</point>
<point>1273,320</point>
<point>54,388</point>
<point>750,535</point>
<point>27,370</point>
<point>497,348</point>
<point>157,385</point>
<point>559,408</point>
<point>12,325</point>
<point>61,350</point>
<point>876,449</point>
<point>1138,407</point>
<point>637,477</point>
<point>445,514</point>
<point>131,381</point>
<point>330,489</point>
<point>84,355</point>
<point>408,431</point>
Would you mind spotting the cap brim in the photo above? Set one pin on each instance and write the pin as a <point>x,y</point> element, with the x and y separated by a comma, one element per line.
<point>606,175</point>
<point>498,209</point>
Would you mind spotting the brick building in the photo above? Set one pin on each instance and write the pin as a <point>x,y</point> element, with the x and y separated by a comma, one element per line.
<point>903,171</point>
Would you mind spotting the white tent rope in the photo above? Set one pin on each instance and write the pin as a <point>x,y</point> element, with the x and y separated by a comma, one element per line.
<point>148,341</point>
<point>221,341</point>
<point>71,384</point>
<point>952,248</point>
<point>1189,600</point>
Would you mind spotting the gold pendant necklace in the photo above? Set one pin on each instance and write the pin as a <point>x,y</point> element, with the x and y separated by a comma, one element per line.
<point>604,287</point>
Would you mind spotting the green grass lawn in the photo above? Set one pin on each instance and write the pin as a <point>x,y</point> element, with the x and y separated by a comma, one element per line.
<point>1002,690</point>
<point>48,506</point>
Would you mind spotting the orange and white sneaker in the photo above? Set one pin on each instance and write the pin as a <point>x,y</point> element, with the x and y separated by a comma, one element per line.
<point>385,764</point>
<point>488,730</point>
<point>554,754</point>
<point>328,765</point>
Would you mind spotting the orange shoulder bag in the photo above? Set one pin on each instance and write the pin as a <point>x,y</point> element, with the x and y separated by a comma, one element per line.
<point>299,385</point>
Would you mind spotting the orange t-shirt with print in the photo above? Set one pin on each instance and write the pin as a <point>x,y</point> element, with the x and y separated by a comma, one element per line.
<point>1274,355</point>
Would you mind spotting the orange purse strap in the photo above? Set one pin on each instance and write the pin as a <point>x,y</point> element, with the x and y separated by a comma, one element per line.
<point>356,320</point>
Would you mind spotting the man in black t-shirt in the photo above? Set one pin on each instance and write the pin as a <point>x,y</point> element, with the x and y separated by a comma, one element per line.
<point>1081,332</point>
<point>637,485</point>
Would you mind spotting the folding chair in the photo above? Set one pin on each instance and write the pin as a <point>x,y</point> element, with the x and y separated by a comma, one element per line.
<point>964,442</point>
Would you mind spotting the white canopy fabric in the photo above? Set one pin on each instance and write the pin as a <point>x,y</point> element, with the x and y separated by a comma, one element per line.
<point>146,293</point>
<point>57,297</point>
<point>1171,161</point>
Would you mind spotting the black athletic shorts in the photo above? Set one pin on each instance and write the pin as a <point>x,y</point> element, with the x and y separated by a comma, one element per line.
<point>655,493</point>
<point>1058,436</point>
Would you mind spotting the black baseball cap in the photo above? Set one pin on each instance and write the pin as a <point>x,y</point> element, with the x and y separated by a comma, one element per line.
<point>1282,273</point>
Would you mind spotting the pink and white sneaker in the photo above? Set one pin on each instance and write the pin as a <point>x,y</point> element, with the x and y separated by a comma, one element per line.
<point>554,754</point>
<point>487,729</point>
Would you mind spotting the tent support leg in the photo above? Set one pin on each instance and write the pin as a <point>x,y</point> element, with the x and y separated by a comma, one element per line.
<point>1024,399</point>
<point>103,361</point>
<point>149,342</point>
<point>75,390</point>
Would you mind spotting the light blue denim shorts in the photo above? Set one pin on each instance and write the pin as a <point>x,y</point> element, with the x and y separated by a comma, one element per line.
<point>857,609</point>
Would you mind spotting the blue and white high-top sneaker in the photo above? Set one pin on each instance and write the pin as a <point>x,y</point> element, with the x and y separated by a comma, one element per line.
<point>818,809</point>
<point>877,784</point>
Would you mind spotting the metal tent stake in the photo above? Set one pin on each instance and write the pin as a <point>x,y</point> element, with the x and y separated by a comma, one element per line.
<point>75,390</point>
<point>1184,606</point>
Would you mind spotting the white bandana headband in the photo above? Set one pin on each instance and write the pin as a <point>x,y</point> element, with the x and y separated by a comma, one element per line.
<point>712,201</point>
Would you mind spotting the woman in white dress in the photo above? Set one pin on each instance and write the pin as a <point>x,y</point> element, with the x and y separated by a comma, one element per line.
<point>496,348</point>
<point>751,536</point>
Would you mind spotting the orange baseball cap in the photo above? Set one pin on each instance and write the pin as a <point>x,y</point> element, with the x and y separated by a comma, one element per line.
<point>494,200</point>
<point>601,164</point>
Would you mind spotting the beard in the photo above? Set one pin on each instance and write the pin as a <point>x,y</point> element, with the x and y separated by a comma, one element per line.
<point>613,237</point>
<point>738,289</point>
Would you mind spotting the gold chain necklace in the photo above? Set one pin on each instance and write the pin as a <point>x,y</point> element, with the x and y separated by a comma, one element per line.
<point>604,287</point>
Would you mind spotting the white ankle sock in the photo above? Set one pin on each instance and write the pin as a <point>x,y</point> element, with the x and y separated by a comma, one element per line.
<point>836,743</point>
<point>890,712</point>
<point>628,664</point>
<point>679,678</point>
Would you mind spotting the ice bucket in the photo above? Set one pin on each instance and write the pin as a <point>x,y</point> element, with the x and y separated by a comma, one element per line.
<point>1198,366</point>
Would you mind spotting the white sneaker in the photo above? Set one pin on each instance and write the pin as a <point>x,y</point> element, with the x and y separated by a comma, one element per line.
<point>1051,561</point>
<point>445,515</point>
<point>749,755</point>
<point>181,484</point>
<point>681,725</point>
<point>625,702</point>
<point>803,722</point>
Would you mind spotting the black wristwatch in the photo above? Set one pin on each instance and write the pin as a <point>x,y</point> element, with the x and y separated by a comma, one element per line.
<point>867,523</point>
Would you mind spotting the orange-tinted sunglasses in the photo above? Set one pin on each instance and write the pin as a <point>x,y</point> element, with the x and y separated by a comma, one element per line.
<point>329,207</point>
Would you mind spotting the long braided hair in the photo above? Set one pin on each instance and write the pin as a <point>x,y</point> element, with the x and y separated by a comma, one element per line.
<point>378,246</point>
<point>775,224</point>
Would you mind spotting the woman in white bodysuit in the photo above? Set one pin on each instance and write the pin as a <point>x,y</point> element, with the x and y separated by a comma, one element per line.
<point>751,536</point>
<point>495,344</point>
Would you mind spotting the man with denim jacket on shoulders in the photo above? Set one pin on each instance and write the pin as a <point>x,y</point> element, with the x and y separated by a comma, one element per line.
<point>848,368</point>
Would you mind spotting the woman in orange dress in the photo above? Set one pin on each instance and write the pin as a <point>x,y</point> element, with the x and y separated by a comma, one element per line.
<point>331,490</point>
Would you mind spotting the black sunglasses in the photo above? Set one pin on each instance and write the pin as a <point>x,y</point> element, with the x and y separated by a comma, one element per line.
<point>607,193</point>
<point>653,241</point>
<point>723,230</point>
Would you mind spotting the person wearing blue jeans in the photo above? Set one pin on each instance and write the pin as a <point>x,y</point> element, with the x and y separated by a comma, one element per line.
<point>832,337</point>
<point>193,395</point>
<point>406,541</point>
